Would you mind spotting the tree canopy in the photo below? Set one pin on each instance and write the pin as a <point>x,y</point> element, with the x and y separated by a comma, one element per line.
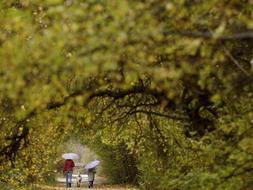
<point>162,88</point>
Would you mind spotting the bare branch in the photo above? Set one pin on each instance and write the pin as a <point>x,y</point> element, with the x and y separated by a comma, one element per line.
<point>209,35</point>
<point>180,118</point>
<point>232,58</point>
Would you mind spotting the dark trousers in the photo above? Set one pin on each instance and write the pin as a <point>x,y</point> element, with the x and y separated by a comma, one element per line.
<point>90,184</point>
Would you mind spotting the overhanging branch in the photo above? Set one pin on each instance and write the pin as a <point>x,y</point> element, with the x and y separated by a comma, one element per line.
<point>209,35</point>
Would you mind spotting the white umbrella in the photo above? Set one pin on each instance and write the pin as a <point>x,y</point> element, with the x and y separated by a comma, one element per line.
<point>92,164</point>
<point>71,156</point>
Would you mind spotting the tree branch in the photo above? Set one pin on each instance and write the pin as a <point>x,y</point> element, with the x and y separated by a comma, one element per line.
<point>180,118</point>
<point>232,58</point>
<point>209,35</point>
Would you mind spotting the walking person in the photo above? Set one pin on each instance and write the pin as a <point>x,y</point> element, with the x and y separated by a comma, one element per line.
<point>68,171</point>
<point>91,170</point>
<point>91,177</point>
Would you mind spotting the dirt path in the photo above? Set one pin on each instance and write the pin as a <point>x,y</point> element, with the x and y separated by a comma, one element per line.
<point>100,187</point>
<point>100,183</point>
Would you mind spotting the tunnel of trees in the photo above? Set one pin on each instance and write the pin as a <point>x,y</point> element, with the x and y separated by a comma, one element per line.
<point>161,90</point>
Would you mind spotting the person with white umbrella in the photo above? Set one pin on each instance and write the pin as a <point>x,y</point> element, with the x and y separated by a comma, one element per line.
<point>68,167</point>
<point>90,167</point>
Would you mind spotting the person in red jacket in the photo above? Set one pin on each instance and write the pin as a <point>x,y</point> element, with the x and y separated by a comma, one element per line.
<point>68,171</point>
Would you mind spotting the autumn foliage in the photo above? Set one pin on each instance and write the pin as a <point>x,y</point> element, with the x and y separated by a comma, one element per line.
<point>160,90</point>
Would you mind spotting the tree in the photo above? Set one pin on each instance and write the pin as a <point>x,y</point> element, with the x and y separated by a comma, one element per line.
<point>173,78</point>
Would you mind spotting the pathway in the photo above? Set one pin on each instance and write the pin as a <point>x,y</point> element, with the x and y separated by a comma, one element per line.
<point>96,187</point>
<point>100,184</point>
